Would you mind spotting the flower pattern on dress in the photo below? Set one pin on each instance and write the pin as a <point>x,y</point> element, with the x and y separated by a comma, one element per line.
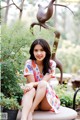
<point>31,68</point>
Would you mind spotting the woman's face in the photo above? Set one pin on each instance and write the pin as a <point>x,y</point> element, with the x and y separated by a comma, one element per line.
<point>39,53</point>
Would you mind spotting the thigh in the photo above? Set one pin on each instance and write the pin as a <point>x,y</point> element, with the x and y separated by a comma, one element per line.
<point>37,108</point>
<point>44,105</point>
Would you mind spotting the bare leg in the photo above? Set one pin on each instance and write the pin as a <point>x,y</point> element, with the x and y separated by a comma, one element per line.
<point>44,105</point>
<point>40,93</point>
<point>27,103</point>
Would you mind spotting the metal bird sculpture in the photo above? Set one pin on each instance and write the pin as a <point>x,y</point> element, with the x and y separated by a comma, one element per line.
<point>42,17</point>
<point>55,46</point>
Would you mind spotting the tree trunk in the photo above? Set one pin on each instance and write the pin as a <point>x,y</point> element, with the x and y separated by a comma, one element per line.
<point>55,15</point>
<point>21,7</point>
<point>6,12</point>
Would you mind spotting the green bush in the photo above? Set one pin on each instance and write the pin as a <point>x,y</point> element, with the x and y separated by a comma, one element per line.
<point>66,94</point>
<point>9,81</point>
<point>10,103</point>
<point>16,40</point>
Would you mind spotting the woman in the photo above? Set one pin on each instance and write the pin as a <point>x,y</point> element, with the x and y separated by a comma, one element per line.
<point>39,69</point>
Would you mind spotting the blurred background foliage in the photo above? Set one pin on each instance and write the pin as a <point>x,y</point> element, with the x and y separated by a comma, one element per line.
<point>16,41</point>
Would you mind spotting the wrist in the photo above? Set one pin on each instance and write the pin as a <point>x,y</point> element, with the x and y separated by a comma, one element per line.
<point>35,84</point>
<point>52,76</point>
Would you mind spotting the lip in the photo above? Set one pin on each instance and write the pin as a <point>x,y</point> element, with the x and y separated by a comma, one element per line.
<point>39,57</point>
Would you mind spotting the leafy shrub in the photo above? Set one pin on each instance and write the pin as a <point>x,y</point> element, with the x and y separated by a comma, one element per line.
<point>10,103</point>
<point>9,81</point>
<point>66,95</point>
<point>66,100</point>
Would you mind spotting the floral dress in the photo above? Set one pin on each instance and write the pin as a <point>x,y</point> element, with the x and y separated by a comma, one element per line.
<point>31,68</point>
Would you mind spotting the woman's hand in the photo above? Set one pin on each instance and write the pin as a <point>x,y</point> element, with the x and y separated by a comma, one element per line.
<point>27,87</point>
<point>47,77</point>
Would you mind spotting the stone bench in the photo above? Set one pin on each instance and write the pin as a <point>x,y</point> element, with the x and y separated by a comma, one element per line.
<point>66,77</point>
<point>64,114</point>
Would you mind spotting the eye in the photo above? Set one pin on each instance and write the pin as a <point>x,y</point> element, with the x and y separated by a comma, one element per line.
<point>35,50</point>
<point>42,50</point>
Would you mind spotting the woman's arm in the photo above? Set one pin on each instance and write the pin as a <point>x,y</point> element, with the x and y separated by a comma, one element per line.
<point>33,84</point>
<point>47,77</point>
<point>50,75</point>
<point>30,83</point>
<point>31,80</point>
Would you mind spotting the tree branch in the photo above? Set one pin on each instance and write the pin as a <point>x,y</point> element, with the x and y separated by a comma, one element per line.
<point>16,6</point>
<point>7,6</point>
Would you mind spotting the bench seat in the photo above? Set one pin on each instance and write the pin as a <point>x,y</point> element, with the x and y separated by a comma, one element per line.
<point>64,114</point>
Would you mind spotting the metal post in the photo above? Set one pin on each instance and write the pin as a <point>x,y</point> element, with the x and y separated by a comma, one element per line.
<point>74,98</point>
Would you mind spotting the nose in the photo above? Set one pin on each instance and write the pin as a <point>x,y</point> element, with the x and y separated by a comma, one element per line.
<point>39,52</point>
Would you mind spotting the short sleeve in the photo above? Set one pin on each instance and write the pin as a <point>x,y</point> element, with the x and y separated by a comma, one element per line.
<point>28,70</point>
<point>53,67</point>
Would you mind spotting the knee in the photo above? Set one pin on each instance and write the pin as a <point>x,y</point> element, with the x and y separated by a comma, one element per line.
<point>42,84</point>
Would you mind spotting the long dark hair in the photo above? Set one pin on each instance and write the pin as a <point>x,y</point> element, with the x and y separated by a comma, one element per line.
<point>46,48</point>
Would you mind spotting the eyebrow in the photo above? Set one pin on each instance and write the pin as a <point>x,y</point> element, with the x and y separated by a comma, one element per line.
<point>39,49</point>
